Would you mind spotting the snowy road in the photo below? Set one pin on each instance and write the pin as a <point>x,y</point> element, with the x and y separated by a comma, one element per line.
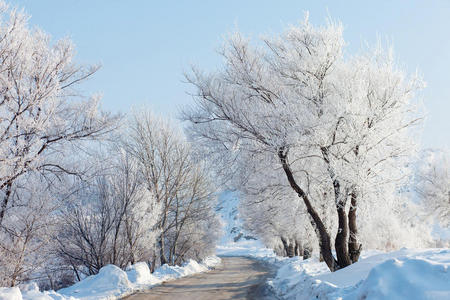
<point>235,278</point>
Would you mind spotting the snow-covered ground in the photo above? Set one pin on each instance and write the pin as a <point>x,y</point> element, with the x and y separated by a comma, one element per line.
<point>403,274</point>
<point>235,241</point>
<point>112,282</point>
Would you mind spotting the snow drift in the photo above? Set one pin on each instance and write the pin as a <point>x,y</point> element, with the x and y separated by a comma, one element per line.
<point>406,278</point>
<point>139,274</point>
<point>10,293</point>
<point>404,274</point>
<point>110,282</point>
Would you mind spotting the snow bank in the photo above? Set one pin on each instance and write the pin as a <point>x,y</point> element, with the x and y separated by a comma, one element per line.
<point>109,283</point>
<point>139,274</point>
<point>10,293</point>
<point>31,292</point>
<point>406,278</point>
<point>112,282</point>
<point>167,272</point>
<point>404,274</point>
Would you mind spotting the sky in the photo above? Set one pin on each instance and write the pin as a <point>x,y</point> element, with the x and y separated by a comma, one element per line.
<point>144,47</point>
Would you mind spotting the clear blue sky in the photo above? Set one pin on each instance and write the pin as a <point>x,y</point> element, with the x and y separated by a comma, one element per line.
<point>144,46</point>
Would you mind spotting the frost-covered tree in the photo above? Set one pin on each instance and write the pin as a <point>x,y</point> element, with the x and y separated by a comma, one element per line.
<point>42,116</point>
<point>109,219</point>
<point>187,225</point>
<point>433,185</point>
<point>337,127</point>
<point>39,113</point>
<point>27,232</point>
<point>270,210</point>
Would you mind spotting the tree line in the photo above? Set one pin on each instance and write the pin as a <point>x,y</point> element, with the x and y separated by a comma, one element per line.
<point>81,188</point>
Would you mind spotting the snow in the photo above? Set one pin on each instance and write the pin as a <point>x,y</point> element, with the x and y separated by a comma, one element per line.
<point>31,292</point>
<point>112,282</point>
<point>211,261</point>
<point>404,274</point>
<point>167,272</point>
<point>139,274</point>
<point>235,241</point>
<point>407,278</point>
<point>109,283</point>
<point>245,248</point>
<point>10,293</point>
<point>228,211</point>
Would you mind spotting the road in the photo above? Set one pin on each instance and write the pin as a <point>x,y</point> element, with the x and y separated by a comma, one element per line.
<point>235,278</point>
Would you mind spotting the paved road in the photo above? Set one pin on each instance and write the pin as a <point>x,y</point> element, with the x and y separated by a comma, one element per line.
<point>235,278</point>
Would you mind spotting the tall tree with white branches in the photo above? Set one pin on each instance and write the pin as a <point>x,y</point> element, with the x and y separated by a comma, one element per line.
<point>39,113</point>
<point>297,101</point>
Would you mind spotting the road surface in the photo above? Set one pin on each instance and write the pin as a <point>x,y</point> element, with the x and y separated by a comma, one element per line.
<point>235,278</point>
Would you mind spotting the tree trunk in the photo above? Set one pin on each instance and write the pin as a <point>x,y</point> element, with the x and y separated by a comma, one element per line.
<point>172,253</point>
<point>316,221</point>
<point>153,264</point>
<point>307,252</point>
<point>162,255</point>
<point>285,246</point>
<point>340,243</point>
<point>354,246</point>
<point>341,240</point>
<point>298,248</point>
<point>291,250</point>
<point>8,190</point>
<point>76,273</point>
<point>289,247</point>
